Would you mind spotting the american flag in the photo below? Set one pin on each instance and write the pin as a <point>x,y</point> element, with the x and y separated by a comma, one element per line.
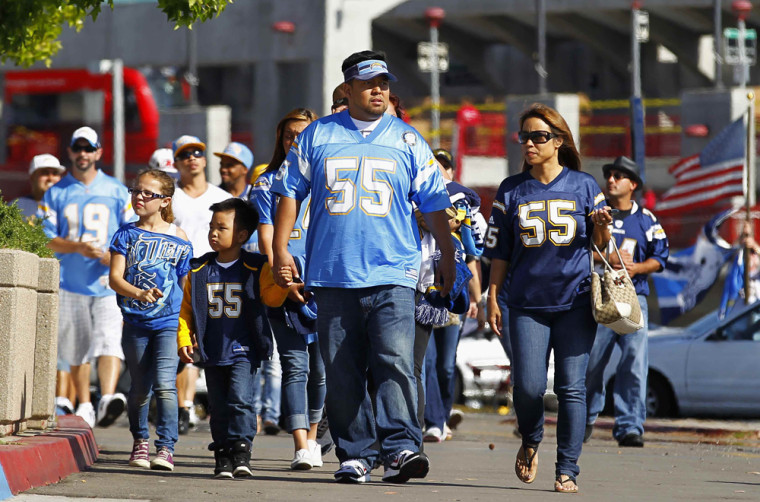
<point>714,174</point>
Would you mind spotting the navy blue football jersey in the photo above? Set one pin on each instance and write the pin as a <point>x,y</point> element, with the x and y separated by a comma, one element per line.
<point>544,232</point>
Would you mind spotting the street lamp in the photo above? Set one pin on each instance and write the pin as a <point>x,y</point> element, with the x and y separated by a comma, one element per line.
<point>435,15</point>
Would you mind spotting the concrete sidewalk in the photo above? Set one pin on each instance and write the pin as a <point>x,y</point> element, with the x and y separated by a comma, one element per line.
<point>34,461</point>
<point>29,460</point>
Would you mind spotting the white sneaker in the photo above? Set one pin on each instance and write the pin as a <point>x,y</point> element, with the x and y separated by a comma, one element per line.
<point>87,412</point>
<point>193,416</point>
<point>315,450</point>
<point>301,461</point>
<point>433,435</point>
<point>64,404</point>
<point>447,434</point>
<point>110,407</point>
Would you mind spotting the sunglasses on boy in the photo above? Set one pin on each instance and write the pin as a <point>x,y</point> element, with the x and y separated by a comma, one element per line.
<point>186,154</point>
<point>76,148</point>
<point>536,137</point>
<point>147,194</point>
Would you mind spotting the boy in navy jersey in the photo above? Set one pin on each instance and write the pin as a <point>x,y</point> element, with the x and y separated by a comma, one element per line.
<point>224,329</point>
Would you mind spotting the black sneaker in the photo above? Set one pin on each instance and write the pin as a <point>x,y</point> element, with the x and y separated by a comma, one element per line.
<point>183,426</point>
<point>632,439</point>
<point>588,432</point>
<point>271,428</point>
<point>241,458</point>
<point>223,469</point>
<point>406,465</point>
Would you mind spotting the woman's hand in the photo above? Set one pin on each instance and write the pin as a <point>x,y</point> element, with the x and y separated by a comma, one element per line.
<point>494,315</point>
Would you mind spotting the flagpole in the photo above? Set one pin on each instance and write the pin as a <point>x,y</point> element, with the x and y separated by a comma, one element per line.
<point>749,179</point>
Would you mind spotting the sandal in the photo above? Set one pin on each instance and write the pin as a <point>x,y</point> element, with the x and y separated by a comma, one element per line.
<point>527,460</point>
<point>565,484</point>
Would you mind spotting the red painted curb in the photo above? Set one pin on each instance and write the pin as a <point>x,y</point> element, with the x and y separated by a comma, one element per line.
<point>49,457</point>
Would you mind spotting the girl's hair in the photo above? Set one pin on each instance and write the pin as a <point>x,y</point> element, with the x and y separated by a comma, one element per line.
<point>568,153</point>
<point>400,110</point>
<point>167,188</point>
<point>302,114</point>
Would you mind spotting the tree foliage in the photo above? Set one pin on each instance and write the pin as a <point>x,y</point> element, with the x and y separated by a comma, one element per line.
<point>29,29</point>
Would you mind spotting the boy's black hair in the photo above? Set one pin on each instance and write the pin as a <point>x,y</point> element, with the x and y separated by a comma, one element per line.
<point>246,217</point>
<point>358,57</point>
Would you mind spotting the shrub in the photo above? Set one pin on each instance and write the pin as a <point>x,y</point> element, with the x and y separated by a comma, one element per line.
<point>17,232</point>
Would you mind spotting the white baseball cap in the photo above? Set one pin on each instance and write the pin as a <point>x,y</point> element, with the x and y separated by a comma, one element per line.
<point>45,160</point>
<point>87,133</point>
<point>163,160</point>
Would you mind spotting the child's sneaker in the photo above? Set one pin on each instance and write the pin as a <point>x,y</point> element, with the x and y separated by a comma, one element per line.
<point>241,458</point>
<point>163,461</point>
<point>352,471</point>
<point>315,451</point>
<point>406,465</point>
<point>223,469</point>
<point>140,454</point>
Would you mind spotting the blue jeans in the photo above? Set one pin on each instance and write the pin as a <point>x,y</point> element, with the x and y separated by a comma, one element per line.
<point>230,400</point>
<point>571,334</point>
<point>440,374</point>
<point>267,389</point>
<point>303,378</point>
<point>630,378</point>
<point>369,329</point>
<point>152,359</point>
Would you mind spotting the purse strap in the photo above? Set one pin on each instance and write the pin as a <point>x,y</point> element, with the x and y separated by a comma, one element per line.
<point>607,263</point>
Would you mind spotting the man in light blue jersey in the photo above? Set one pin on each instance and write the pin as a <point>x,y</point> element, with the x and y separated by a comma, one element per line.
<point>82,213</point>
<point>364,169</point>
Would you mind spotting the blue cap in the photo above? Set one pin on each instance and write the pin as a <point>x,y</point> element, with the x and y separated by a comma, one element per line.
<point>238,152</point>
<point>185,142</point>
<point>366,70</point>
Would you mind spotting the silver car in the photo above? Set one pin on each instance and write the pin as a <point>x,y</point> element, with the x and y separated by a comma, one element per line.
<point>711,367</point>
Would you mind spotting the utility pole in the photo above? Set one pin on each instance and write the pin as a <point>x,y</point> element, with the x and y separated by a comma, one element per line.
<point>117,81</point>
<point>434,16</point>
<point>541,32</point>
<point>718,43</point>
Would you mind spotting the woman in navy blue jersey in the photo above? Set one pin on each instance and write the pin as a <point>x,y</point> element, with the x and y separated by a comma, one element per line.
<point>541,227</point>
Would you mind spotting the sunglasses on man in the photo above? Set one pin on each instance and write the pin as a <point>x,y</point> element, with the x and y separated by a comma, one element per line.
<point>186,154</point>
<point>76,148</point>
<point>536,137</point>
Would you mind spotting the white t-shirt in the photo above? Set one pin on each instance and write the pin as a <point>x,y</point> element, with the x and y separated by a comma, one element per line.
<point>193,215</point>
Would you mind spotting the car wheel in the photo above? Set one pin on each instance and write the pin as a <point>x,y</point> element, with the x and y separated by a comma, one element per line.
<point>660,401</point>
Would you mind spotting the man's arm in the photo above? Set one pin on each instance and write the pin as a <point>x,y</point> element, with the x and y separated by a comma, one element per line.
<point>65,246</point>
<point>438,223</point>
<point>284,221</point>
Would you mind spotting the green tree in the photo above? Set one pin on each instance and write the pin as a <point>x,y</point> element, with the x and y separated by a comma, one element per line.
<point>29,29</point>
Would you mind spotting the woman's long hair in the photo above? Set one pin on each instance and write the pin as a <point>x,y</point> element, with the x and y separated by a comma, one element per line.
<point>167,188</point>
<point>279,154</point>
<point>568,153</point>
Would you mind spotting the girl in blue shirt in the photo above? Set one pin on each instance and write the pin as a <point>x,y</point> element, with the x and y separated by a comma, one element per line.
<point>542,223</point>
<point>150,259</point>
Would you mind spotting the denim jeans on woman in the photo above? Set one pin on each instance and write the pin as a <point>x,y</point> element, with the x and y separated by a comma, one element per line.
<point>630,390</point>
<point>369,328</point>
<point>152,359</point>
<point>570,334</point>
<point>303,377</point>
<point>440,374</point>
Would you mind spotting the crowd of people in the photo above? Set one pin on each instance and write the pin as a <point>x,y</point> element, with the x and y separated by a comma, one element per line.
<point>355,257</point>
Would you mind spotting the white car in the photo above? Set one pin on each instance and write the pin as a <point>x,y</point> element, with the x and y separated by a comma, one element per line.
<point>711,367</point>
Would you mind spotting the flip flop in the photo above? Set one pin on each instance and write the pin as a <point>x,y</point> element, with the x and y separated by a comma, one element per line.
<point>529,461</point>
<point>564,485</point>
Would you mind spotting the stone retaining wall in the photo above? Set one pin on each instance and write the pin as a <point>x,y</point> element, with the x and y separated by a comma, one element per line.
<point>28,340</point>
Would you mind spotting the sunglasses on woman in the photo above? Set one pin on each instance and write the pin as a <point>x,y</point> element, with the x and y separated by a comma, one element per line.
<point>147,194</point>
<point>536,137</point>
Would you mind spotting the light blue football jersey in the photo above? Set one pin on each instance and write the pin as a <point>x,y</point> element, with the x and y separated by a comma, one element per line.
<point>362,232</point>
<point>265,202</point>
<point>87,213</point>
<point>544,231</point>
<point>153,260</point>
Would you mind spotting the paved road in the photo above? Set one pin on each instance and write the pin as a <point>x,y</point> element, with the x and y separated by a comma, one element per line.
<point>679,465</point>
